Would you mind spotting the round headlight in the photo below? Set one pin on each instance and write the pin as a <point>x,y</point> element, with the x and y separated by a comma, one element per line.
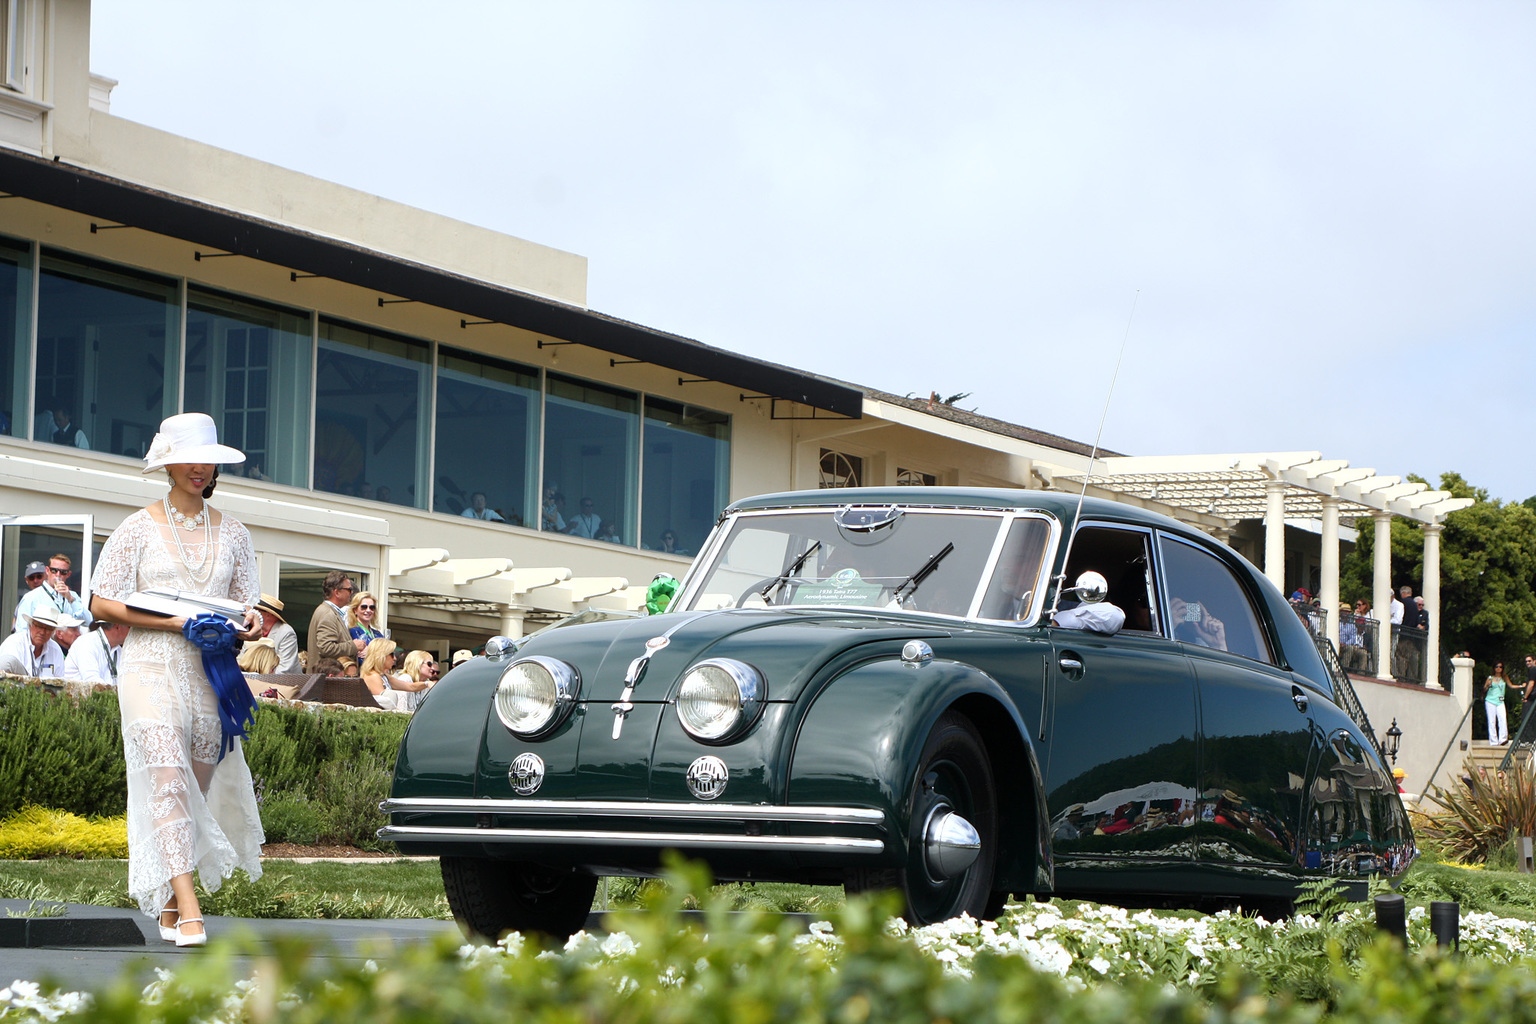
<point>719,698</point>
<point>535,694</point>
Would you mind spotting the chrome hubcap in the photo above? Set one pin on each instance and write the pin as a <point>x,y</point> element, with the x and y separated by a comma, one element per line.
<point>950,843</point>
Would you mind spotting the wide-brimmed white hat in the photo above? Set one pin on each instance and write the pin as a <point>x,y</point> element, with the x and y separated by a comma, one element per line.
<point>188,438</point>
<point>45,617</point>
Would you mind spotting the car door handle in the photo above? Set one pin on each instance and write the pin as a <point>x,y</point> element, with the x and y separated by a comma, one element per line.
<point>1071,666</point>
<point>1299,698</point>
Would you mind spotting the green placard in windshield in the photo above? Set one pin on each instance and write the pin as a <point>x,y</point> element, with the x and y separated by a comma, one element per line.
<point>843,587</point>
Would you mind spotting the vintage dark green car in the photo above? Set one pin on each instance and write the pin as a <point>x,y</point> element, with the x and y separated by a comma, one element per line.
<point>879,688</point>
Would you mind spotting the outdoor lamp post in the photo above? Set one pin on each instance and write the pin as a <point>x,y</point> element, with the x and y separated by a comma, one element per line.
<point>1394,740</point>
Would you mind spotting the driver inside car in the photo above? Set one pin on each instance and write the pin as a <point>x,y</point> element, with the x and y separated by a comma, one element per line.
<point>1085,612</point>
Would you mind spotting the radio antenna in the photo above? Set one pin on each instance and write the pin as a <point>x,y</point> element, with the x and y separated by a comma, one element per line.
<point>1093,456</point>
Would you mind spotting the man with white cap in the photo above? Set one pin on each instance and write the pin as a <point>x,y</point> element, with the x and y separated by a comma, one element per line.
<point>31,651</point>
<point>460,657</point>
<point>34,576</point>
<point>93,658</point>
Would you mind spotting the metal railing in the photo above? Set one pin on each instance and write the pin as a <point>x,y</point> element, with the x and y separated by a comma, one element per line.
<point>1524,739</point>
<point>1408,654</point>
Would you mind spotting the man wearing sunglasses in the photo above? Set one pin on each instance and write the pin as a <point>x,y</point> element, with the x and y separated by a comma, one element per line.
<point>53,596</point>
<point>329,636</point>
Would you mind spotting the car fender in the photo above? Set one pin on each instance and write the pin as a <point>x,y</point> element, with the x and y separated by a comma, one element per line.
<point>440,750</point>
<point>860,739</point>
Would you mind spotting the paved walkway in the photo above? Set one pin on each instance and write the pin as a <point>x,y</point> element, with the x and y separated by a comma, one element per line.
<point>72,959</point>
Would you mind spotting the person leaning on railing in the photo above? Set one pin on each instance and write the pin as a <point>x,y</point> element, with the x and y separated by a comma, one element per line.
<point>1352,653</point>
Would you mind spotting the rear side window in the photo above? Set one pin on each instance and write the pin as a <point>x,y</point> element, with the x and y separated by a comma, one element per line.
<point>1207,606</point>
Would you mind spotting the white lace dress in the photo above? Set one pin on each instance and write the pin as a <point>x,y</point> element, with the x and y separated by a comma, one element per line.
<point>186,808</point>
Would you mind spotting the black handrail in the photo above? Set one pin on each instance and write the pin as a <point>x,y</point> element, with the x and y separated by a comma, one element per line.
<point>1525,737</point>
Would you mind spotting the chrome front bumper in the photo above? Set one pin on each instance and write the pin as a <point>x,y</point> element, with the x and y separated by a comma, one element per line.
<point>707,819</point>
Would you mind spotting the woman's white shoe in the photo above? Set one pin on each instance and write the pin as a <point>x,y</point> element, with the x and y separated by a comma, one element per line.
<point>166,934</point>
<point>183,939</point>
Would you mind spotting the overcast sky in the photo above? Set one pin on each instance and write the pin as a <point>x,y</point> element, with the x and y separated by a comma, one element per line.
<point>1324,214</point>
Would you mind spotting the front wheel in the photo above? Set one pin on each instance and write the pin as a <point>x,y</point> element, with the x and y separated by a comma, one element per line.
<point>952,839</point>
<point>492,897</point>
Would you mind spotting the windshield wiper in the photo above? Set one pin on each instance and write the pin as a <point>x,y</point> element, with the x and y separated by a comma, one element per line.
<point>794,567</point>
<point>916,579</point>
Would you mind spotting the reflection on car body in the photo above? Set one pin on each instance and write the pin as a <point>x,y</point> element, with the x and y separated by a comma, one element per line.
<point>866,687</point>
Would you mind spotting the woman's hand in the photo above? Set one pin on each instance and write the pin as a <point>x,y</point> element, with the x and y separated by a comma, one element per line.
<point>252,625</point>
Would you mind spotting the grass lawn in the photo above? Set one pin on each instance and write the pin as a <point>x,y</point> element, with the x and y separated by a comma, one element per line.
<point>403,889</point>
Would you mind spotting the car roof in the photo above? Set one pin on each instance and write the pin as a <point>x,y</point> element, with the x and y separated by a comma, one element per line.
<point>1058,504</point>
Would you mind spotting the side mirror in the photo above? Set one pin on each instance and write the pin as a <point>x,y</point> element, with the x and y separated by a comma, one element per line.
<point>1091,587</point>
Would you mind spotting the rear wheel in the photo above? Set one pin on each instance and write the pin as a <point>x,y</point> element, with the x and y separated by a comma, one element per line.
<point>492,897</point>
<point>952,839</point>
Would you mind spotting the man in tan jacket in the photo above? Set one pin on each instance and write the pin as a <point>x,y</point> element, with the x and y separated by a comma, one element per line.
<point>329,636</point>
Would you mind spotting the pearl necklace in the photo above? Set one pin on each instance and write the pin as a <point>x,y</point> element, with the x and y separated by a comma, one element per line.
<point>200,568</point>
<point>186,522</point>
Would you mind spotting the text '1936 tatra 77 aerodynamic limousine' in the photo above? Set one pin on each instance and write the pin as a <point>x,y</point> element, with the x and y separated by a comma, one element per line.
<point>922,689</point>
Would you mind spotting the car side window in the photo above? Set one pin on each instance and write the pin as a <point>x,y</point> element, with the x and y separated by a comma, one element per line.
<point>1122,557</point>
<point>1207,606</point>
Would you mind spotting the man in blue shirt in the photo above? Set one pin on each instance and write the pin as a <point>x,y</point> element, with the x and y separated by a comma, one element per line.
<point>1352,652</point>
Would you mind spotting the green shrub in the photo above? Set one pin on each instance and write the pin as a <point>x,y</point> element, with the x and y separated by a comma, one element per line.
<point>66,754</point>
<point>291,819</point>
<point>350,791</point>
<point>61,752</point>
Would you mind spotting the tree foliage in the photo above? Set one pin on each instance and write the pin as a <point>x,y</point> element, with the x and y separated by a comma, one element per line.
<point>1487,574</point>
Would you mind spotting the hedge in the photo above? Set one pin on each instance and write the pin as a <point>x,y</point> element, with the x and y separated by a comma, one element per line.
<point>319,772</point>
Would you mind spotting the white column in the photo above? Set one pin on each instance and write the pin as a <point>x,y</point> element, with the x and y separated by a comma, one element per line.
<point>1381,592</point>
<point>511,622</point>
<point>1328,589</point>
<point>1274,533</point>
<point>1432,604</point>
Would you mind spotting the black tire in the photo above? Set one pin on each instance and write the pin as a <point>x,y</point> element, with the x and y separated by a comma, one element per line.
<point>953,771</point>
<point>492,897</point>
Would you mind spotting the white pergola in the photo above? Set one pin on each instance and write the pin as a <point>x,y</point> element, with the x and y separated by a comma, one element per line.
<point>431,578</point>
<point>1296,486</point>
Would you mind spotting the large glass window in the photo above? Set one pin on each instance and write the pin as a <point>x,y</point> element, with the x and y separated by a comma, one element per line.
<point>371,393</point>
<point>106,355</point>
<point>487,438</point>
<point>15,334</point>
<point>248,367</point>
<point>591,460</point>
<point>685,475</point>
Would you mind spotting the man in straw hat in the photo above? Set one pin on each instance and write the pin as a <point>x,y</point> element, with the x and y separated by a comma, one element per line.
<point>284,640</point>
<point>31,651</point>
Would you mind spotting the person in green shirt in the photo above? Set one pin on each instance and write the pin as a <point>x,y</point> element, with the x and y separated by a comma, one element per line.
<point>1493,704</point>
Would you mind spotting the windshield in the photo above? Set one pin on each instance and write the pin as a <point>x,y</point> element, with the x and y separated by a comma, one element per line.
<point>931,560</point>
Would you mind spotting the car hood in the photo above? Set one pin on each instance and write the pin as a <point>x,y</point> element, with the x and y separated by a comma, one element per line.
<point>786,646</point>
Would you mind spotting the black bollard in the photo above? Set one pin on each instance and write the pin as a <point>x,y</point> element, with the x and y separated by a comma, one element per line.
<point>1445,922</point>
<point>1392,915</point>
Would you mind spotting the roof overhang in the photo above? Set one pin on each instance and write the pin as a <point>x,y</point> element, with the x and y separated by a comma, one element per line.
<point>112,199</point>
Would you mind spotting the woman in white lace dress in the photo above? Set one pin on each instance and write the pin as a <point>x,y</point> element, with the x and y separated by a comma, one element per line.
<point>188,808</point>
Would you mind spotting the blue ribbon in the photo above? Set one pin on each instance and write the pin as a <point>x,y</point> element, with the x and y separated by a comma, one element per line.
<point>215,636</point>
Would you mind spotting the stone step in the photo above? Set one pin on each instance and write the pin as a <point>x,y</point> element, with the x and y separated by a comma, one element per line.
<point>1490,757</point>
